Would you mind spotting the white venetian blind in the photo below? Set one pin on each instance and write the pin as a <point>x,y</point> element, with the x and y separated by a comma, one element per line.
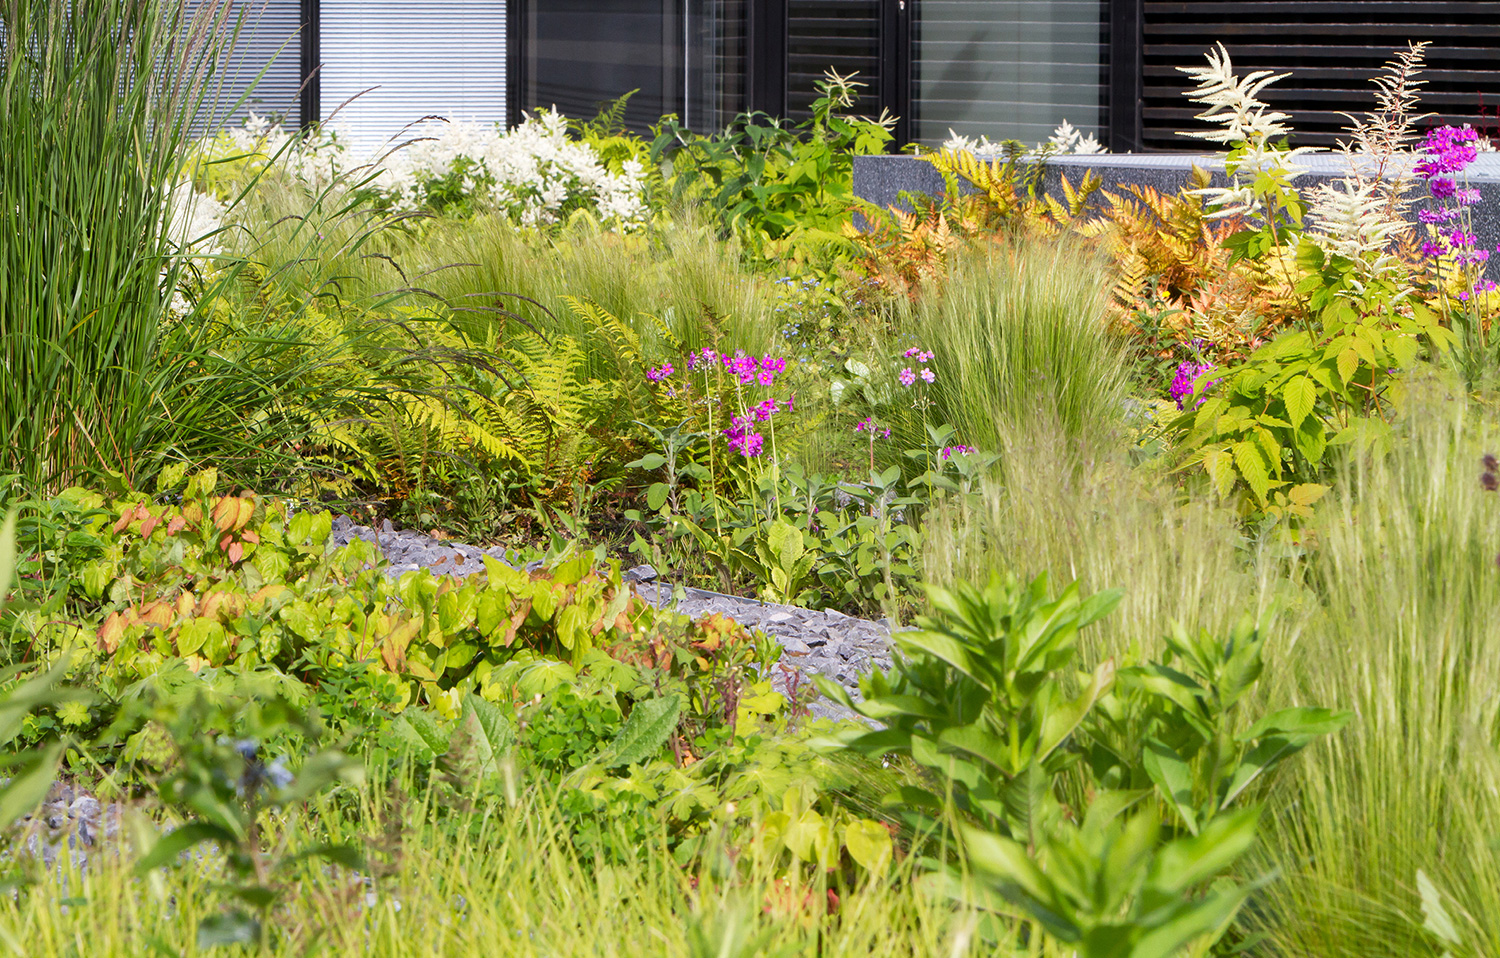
<point>424,57</point>
<point>263,70</point>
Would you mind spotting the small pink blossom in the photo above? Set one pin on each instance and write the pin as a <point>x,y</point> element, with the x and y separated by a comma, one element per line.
<point>928,375</point>
<point>907,377</point>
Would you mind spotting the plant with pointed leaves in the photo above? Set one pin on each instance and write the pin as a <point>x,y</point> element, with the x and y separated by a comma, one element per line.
<point>979,697</point>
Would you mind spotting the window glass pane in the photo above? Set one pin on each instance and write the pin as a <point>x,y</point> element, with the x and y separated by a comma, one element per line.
<point>1008,68</point>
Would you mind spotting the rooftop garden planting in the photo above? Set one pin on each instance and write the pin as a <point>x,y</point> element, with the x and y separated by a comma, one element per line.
<point>1179,509</point>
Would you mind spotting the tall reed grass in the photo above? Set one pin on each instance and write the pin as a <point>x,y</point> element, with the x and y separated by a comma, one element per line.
<point>1021,346</point>
<point>1095,520</point>
<point>97,105</point>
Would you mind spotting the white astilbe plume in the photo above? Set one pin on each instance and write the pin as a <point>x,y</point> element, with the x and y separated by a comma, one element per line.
<point>1353,220</point>
<point>1066,139</point>
<point>1069,139</point>
<point>1247,126</point>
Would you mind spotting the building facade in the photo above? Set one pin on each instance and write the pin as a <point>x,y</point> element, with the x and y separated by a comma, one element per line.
<point>1002,68</point>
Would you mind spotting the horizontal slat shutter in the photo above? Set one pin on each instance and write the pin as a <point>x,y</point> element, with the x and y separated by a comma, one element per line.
<point>1008,68</point>
<point>1332,48</point>
<point>842,35</point>
<point>425,58</point>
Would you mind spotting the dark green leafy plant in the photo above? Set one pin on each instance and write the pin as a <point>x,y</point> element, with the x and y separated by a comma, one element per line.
<point>784,191</point>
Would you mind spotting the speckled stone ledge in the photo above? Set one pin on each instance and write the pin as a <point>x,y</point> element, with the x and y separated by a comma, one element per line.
<point>882,179</point>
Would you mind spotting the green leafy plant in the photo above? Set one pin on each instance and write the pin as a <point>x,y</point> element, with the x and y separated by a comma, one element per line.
<point>1110,887</point>
<point>1267,423</point>
<point>978,697</point>
<point>1201,765</point>
<point>784,191</point>
<point>223,785</point>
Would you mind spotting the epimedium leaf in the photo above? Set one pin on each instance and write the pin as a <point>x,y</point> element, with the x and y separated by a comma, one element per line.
<point>869,844</point>
<point>644,733</point>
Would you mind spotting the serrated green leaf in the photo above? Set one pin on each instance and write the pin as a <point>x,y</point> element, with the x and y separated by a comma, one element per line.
<point>1300,395</point>
<point>645,733</point>
<point>1252,466</point>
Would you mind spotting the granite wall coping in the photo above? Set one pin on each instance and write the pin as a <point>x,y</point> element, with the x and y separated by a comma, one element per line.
<point>882,179</point>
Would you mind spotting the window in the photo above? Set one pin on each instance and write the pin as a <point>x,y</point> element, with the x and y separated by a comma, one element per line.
<point>421,57</point>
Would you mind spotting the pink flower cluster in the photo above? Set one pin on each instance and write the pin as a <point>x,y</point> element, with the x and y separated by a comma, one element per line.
<point>1182,383</point>
<point>870,424</point>
<point>660,373</point>
<point>1449,150</point>
<point>908,376</point>
<point>741,433</point>
<point>748,369</point>
<point>950,451</point>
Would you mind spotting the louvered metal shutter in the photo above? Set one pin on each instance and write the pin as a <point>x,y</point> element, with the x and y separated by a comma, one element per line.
<point>1008,68</point>
<point>842,35</point>
<point>267,43</point>
<point>1332,48</point>
<point>424,58</point>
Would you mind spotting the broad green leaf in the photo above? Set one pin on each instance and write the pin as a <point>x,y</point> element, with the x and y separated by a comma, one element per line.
<point>656,496</point>
<point>1300,395</point>
<point>1019,878</point>
<point>645,732</point>
<point>490,733</point>
<point>419,731</point>
<point>1187,862</point>
<point>1173,778</point>
<point>869,844</point>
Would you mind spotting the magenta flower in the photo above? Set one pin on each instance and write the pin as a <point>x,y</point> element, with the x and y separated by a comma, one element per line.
<point>1442,187</point>
<point>1182,383</point>
<point>665,370</point>
<point>950,451</point>
<point>907,377</point>
<point>1431,250</point>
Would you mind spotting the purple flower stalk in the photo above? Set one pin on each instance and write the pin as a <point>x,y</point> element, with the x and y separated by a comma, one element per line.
<point>1182,384</point>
